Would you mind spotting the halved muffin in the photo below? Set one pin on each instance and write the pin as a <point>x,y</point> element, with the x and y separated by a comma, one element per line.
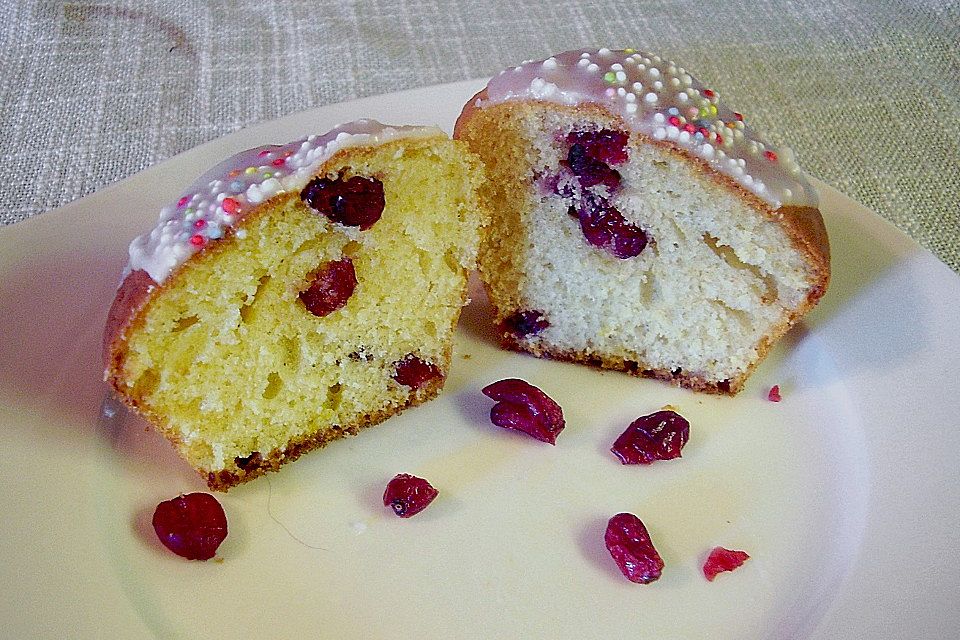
<point>637,223</point>
<point>296,294</point>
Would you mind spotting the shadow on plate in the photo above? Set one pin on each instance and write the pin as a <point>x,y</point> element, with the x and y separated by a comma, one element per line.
<point>476,320</point>
<point>52,310</point>
<point>868,312</point>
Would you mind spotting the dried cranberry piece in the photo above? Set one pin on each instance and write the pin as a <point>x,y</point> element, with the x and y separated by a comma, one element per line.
<point>591,171</point>
<point>589,158</point>
<point>525,323</point>
<point>331,287</point>
<point>721,560</point>
<point>548,183</point>
<point>630,546</point>
<point>408,495</point>
<point>605,227</point>
<point>523,407</point>
<point>191,525</point>
<point>658,436</point>
<point>414,372</point>
<point>355,202</point>
<point>605,145</point>
<point>774,395</point>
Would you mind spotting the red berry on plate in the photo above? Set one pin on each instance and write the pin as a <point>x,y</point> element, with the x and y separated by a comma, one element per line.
<point>721,560</point>
<point>192,525</point>
<point>630,546</point>
<point>658,436</point>
<point>408,495</point>
<point>523,407</point>
<point>774,395</point>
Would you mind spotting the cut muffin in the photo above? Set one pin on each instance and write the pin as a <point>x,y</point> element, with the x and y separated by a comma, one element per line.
<point>296,294</point>
<point>638,224</point>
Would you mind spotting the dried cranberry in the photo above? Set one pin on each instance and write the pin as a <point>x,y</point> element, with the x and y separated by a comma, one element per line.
<point>548,183</point>
<point>191,525</point>
<point>414,372</point>
<point>658,436</point>
<point>355,202</point>
<point>605,227</point>
<point>774,395</point>
<point>589,158</point>
<point>523,407</point>
<point>629,543</point>
<point>408,495</point>
<point>721,560</point>
<point>525,323</point>
<point>591,171</point>
<point>605,145</point>
<point>331,287</point>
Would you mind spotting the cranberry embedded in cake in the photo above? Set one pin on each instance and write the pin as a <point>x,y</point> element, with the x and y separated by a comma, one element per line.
<point>590,171</point>
<point>354,202</point>
<point>414,372</point>
<point>605,145</point>
<point>605,227</point>
<point>525,323</point>
<point>589,157</point>
<point>330,287</point>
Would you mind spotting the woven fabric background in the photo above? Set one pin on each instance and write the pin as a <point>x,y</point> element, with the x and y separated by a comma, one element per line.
<point>867,93</point>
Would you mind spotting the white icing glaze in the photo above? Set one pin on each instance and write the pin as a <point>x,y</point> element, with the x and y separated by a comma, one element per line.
<point>221,196</point>
<point>662,100</point>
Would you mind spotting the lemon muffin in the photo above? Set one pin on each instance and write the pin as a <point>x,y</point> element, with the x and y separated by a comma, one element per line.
<point>296,294</point>
<point>638,223</point>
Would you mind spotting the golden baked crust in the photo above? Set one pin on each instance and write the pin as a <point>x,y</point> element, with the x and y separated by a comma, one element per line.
<point>130,298</point>
<point>257,465</point>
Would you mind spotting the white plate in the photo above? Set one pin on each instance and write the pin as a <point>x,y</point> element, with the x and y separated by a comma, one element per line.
<point>846,494</point>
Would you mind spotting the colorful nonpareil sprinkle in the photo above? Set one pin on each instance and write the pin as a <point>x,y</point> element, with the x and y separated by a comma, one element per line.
<point>219,199</point>
<point>660,99</point>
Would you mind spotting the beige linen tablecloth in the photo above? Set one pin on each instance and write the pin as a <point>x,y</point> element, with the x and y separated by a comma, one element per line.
<point>867,93</point>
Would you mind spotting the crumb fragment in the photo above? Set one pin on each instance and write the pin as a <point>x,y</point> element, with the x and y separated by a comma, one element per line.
<point>774,395</point>
<point>721,560</point>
